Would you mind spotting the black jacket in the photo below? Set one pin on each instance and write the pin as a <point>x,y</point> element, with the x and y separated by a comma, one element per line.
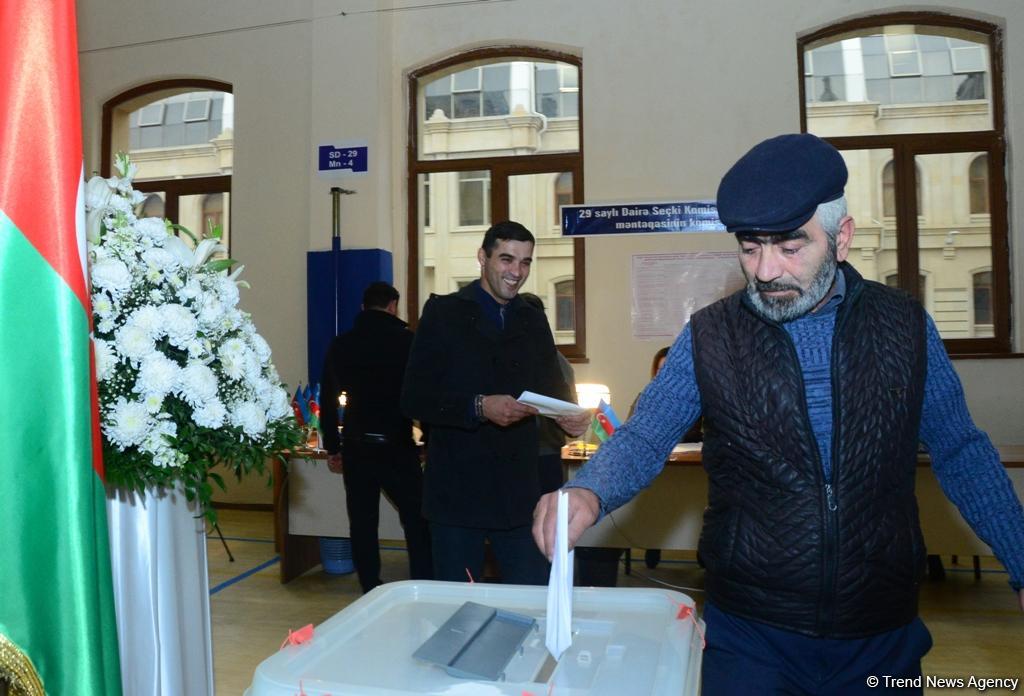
<point>478,474</point>
<point>368,363</point>
<point>782,545</point>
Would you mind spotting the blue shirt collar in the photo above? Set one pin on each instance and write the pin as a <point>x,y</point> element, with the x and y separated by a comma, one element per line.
<point>493,310</point>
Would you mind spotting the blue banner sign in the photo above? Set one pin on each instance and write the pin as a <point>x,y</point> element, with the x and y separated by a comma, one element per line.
<point>640,218</point>
<point>343,159</point>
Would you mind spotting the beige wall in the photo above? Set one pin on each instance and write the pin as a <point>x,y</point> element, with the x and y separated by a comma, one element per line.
<point>673,93</point>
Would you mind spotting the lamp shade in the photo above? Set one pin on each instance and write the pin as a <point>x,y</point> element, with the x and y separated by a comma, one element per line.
<point>590,395</point>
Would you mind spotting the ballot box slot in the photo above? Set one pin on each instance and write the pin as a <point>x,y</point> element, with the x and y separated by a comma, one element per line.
<point>477,641</point>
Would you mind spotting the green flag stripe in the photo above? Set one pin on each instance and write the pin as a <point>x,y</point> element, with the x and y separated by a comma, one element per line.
<point>55,585</point>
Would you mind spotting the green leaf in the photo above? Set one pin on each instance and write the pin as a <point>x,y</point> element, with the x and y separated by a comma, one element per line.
<point>215,266</point>
<point>181,228</point>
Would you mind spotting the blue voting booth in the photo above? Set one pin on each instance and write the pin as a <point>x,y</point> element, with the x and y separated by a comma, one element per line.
<point>335,281</point>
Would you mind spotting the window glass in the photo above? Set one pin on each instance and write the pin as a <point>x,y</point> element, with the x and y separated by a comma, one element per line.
<point>524,168</point>
<point>979,185</point>
<point>893,67</point>
<point>474,198</point>
<point>167,129</point>
<point>952,246</point>
<point>531,203</point>
<point>529,88</point>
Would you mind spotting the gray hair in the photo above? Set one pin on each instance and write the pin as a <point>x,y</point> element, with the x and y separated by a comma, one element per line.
<point>830,214</point>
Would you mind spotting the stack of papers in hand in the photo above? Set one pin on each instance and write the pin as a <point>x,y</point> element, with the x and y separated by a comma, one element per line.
<point>548,406</point>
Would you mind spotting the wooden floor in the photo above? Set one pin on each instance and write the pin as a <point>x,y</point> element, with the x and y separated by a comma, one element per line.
<point>977,627</point>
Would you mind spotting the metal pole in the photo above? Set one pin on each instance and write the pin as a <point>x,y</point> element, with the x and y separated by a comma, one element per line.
<point>336,193</point>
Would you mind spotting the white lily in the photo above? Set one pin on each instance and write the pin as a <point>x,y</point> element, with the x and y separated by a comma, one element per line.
<point>180,250</point>
<point>204,250</point>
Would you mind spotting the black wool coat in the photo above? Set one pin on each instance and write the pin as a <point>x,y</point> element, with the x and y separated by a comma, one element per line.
<point>479,474</point>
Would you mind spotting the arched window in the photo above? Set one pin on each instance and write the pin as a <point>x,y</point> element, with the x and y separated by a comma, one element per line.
<point>918,97</point>
<point>495,135</point>
<point>180,134</point>
<point>889,190</point>
<point>978,175</point>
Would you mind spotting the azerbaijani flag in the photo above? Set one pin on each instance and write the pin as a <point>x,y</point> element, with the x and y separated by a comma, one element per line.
<point>604,421</point>
<point>57,622</point>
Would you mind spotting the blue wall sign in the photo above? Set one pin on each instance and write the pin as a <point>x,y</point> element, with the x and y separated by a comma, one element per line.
<point>640,218</point>
<point>334,158</point>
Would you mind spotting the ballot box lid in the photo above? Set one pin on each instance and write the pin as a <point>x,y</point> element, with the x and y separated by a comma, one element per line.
<point>625,640</point>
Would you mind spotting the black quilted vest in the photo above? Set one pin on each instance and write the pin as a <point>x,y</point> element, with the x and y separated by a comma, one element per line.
<point>782,545</point>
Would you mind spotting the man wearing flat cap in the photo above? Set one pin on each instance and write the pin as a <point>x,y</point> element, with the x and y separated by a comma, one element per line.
<point>816,387</point>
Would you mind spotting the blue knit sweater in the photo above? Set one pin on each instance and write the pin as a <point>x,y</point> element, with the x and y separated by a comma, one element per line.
<point>963,458</point>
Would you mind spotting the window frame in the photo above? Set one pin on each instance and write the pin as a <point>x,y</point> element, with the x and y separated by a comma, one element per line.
<point>501,169</point>
<point>905,147</point>
<point>173,189</point>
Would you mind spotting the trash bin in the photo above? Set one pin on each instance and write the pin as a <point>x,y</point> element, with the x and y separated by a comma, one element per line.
<point>336,555</point>
<point>625,641</point>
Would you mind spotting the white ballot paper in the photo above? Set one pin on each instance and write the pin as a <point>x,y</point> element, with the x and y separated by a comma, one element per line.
<point>559,621</point>
<point>548,406</point>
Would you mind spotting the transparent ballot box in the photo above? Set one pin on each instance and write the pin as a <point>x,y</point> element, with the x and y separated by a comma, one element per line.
<point>625,641</point>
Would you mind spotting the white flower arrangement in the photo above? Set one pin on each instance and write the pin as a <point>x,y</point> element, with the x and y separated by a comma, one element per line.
<point>185,382</point>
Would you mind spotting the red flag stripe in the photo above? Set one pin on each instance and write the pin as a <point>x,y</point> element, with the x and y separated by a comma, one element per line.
<point>39,91</point>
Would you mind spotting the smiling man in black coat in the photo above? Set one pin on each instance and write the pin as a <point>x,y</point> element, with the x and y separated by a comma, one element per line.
<point>475,351</point>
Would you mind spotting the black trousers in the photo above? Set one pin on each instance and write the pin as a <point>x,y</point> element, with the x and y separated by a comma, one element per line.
<point>460,550</point>
<point>395,469</point>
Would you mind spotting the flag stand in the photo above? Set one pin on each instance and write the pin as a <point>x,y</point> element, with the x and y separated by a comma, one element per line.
<point>216,528</point>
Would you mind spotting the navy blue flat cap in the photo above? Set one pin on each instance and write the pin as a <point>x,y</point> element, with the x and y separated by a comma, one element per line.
<point>777,186</point>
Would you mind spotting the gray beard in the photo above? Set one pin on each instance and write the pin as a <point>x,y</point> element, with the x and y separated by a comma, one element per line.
<point>782,309</point>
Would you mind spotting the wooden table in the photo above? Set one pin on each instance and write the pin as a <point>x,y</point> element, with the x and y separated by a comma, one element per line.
<point>669,514</point>
<point>309,502</point>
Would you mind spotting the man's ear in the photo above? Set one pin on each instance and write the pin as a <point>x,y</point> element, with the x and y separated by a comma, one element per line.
<point>847,227</point>
<point>481,256</point>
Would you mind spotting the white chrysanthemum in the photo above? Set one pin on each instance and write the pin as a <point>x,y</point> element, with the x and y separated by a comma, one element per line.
<point>232,357</point>
<point>226,291</point>
<point>160,259</point>
<point>197,384</point>
<point>129,423</point>
<point>134,342</point>
<point>262,348</point>
<point>112,275</point>
<point>102,305</point>
<point>280,406</point>
<point>105,325</point>
<point>212,312</point>
<point>210,415</point>
<point>149,319</point>
<point>156,297</point>
<point>157,375</point>
<point>153,402</point>
<point>251,366</point>
<point>190,290</point>
<point>151,228</point>
<point>198,349</point>
<point>106,359</point>
<point>250,418</point>
<point>180,324</point>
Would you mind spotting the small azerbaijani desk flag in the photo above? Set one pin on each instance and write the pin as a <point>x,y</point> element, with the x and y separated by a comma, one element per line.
<point>605,421</point>
<point>296,408</point>
<point>314,407</point>
<point>307,415</point>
